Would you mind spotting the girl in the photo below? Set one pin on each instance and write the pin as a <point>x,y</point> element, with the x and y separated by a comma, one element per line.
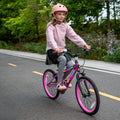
<point>56,32</point>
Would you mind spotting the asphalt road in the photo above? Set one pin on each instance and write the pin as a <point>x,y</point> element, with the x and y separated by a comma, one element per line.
<point>22,96</point>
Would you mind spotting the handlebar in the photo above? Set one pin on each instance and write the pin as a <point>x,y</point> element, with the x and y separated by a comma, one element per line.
<point>77,54</point>
<point>72,55</point>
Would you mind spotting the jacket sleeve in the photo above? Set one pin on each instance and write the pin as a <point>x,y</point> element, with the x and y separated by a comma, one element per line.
<point>50,37</point>
<point>70,33</point>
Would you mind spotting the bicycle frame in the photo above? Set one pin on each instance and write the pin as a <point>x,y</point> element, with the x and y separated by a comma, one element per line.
<point>74,69</point>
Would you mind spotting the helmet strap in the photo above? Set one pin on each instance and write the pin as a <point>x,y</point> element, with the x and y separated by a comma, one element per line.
<point>56,19</point>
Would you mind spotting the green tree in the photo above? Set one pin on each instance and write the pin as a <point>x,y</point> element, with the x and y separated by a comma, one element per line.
<point>80,11</point>
<point>9,9</point>
<point>30,23</point>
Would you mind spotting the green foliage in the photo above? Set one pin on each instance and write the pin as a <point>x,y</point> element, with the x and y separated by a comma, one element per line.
<point>9,10</point>
<point>30,47</point>
<point>80,11</point>
<point>115,57</point>
<point>23,22</point>
<point>34,47</point>
<point>27,22</point>
<point>98,43</point>
<point>5,45</point>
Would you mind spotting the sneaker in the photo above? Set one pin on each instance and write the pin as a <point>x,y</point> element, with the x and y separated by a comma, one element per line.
<point>70,85</point>
<point>61,87</point>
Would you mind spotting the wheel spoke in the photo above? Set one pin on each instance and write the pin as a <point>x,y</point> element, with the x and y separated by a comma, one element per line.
<point>87,96</point>
<point>49,82</point>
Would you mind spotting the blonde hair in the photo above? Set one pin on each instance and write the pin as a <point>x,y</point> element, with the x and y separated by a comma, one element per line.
<point>54,22</point>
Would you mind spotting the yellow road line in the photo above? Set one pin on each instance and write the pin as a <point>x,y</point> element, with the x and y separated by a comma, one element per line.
<point>12,64</point>
<point>37,72</point>
<point>107,95</point>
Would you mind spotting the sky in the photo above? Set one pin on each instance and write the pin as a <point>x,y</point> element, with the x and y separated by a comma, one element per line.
<point>104,12</point>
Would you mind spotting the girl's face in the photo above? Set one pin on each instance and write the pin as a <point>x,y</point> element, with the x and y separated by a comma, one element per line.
<point>60,16</point>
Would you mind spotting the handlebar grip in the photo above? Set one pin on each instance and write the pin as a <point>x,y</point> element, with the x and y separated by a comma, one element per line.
<point>56,51</point>
<point>85,49</point>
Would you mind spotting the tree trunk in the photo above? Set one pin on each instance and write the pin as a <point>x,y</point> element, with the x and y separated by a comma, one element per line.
<point>97,21</point>
<point>108,14</point>
<point>37,29</point>
<point>114,10</point>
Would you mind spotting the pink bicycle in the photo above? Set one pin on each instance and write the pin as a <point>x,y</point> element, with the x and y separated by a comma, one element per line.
<point>87,94</point>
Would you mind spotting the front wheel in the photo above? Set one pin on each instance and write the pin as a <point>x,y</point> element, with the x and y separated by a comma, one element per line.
<point>49,83</point>
<point>87,95</point>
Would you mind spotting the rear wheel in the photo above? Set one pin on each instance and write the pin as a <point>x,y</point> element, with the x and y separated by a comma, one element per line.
<point>49,83</point>
<point>87,95</point>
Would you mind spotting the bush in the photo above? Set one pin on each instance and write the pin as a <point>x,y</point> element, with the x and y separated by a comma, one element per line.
<point>3,44</point>
<point>6,45</point>
<point>35,47</point>
<point>115,57</point>
<point>31,47</point>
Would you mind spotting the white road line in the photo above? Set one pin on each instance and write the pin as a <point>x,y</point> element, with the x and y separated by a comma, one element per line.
<point>101,70</point>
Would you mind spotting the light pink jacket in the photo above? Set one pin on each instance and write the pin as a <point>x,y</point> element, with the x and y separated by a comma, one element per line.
<point>56,36</point>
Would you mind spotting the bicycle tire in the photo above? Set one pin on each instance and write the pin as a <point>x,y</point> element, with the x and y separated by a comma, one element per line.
<point>49,83</point>
<point>86,91</point>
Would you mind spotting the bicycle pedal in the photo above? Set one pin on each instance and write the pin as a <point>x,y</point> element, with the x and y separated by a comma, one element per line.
<point>62,91</point>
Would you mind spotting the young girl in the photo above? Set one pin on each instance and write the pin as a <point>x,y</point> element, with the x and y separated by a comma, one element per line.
<point>56,32</point>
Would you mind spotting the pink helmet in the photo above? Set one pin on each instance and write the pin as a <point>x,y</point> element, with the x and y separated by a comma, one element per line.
<point>59,8</point>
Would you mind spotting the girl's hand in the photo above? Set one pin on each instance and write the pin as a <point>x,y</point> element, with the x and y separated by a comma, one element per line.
<point>88,47</point>
<point>58,50</point>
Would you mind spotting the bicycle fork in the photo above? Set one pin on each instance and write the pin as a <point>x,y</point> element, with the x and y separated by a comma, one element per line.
<point>80,87</point>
